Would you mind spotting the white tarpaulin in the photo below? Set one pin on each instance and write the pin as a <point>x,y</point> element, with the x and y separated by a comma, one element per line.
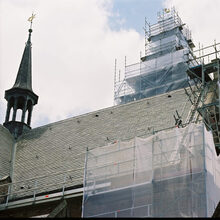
<point>172,173</point>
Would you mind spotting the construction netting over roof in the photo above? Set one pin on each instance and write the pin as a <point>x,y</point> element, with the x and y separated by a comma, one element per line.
<point>173,173</point>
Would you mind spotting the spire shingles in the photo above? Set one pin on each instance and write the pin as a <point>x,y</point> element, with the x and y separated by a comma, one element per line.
<point>24,76</point>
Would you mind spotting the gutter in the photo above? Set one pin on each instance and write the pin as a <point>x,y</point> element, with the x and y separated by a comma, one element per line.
<point>13,156</point>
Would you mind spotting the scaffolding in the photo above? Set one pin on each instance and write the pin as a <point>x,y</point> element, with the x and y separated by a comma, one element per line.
<point>168,55</point>
<point>45,188</point>
<point>205,93</point>
<point>169,64</point>
<point>173,173</point>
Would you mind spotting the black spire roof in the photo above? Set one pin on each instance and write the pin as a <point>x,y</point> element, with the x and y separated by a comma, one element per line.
<point>21,96</point>
<point>24,76</point>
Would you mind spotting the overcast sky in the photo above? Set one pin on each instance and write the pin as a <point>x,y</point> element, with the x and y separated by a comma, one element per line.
<point>75,43</point>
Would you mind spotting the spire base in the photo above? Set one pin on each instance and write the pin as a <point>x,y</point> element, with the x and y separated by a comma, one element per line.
<point>16,128</point>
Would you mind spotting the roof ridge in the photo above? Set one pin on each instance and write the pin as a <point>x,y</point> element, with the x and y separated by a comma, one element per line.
<point>105,109</point>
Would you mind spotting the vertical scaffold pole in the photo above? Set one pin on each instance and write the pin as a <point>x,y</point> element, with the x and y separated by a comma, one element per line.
<point>218,88</point>
<point>64,183</point>
<point>203,134</point>
<point>203,88</point>
<point>145,35</point>
<point>84,182</point>
<point>9,192</point>
<point>125,88</point>
<point>125,61</point>
<point>118,143</point>
<point>205,172</point>
<point>134,176</point>
<point>200,54</point>
<point>115,81</point>
<point>115,69</point>
<point>35,187</point>
<point>152,179</point>
<point>140,96</point>
<point>216,55</point>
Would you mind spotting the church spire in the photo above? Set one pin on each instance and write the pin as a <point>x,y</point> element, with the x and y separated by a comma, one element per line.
<point>21,95</point>
<point>23,79</point>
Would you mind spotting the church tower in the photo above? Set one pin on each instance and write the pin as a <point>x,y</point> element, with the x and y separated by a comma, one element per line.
<point>21,96</point>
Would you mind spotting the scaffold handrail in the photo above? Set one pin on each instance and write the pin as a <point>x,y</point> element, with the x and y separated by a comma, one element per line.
<point>46,175</point>
<point>121,210</point>
<point>42,187</point>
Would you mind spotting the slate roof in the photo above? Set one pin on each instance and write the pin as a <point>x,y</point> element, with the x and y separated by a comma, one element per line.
<point>6,143</point>
<point>61,146</point>
<point>24,76</point>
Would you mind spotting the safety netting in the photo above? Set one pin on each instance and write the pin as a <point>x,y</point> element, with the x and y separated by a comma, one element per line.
<point>172,173</point>
<point>154,76</point>
<point>163,68</point>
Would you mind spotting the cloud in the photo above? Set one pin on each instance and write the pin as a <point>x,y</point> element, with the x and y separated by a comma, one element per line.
<point>73,54</point>
<point>201,16</point>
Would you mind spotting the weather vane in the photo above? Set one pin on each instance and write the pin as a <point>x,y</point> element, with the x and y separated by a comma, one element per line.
<point>167,10</point>
<point>31,19</point>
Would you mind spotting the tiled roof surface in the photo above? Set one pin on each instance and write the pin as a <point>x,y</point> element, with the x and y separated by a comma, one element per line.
<point>61,146</point>
<point>6,143</point>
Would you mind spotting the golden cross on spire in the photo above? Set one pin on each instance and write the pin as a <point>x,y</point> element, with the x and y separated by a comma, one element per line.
<point>31,19</point>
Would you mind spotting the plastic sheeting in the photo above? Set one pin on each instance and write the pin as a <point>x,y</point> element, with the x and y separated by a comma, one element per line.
<point>166,43</point>
<point>154,77</point>
<point>170,174</point>
<point>163,69</point>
